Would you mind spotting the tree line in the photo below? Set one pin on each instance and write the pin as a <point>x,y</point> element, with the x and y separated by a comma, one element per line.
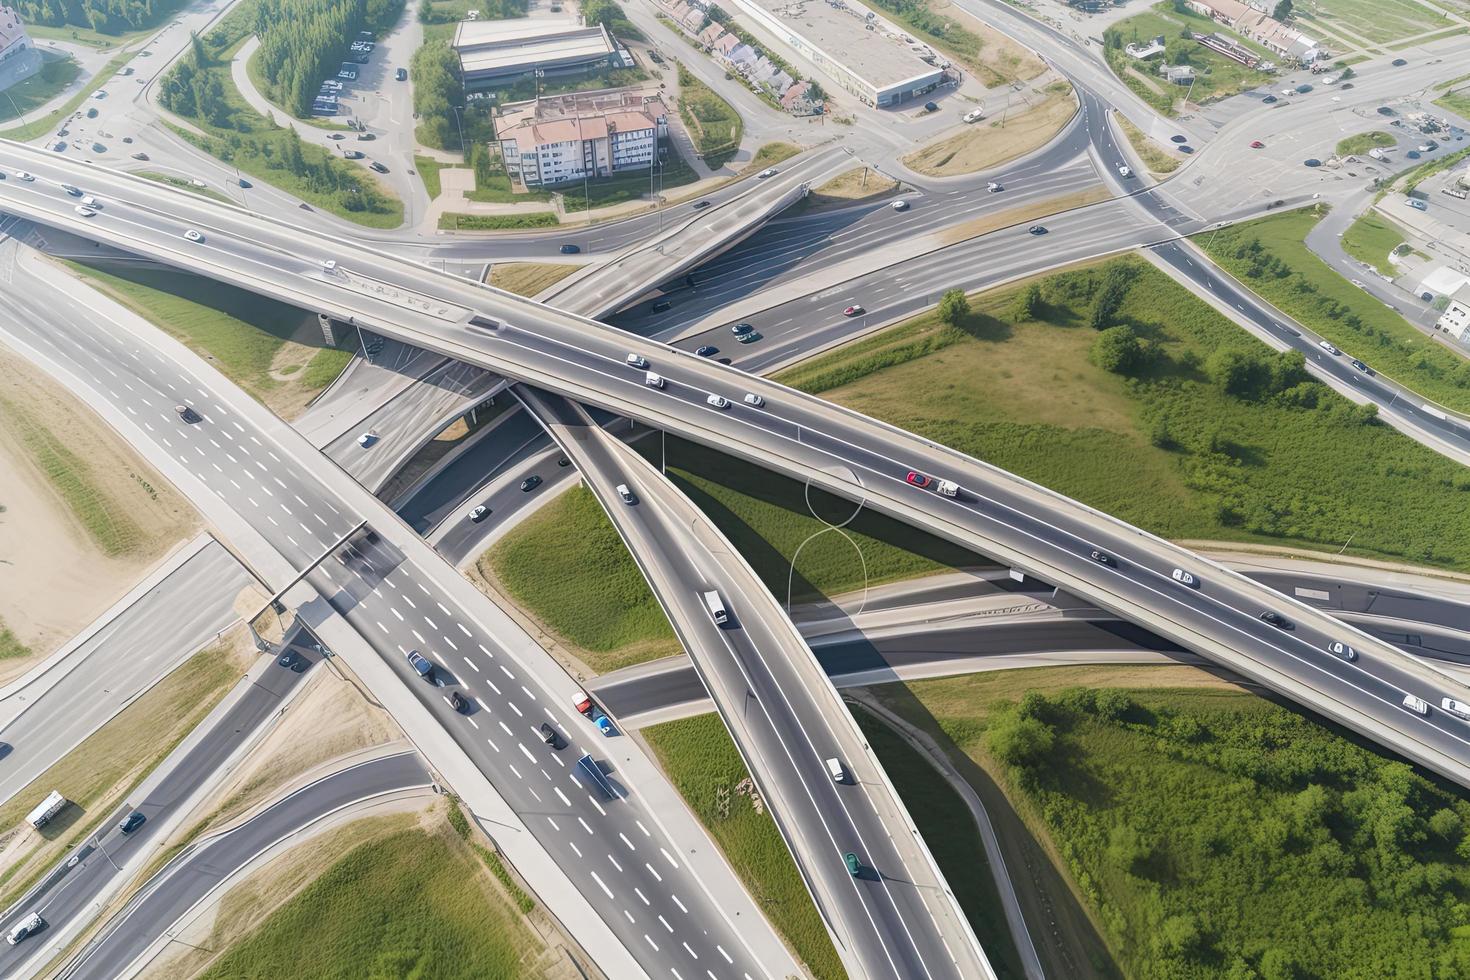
<point>102,16</point>
<point>302,42</point>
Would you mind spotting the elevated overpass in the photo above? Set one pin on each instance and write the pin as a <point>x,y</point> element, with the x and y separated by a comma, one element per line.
<point>1016,522</point>
<point>602,289</point>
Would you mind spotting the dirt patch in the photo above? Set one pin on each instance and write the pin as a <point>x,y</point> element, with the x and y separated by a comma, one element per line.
<point>81,515</point>
<point>854,187</point>
<point>987,223</point>
<point>1000,56</point>
<point>1004,137</point>
<point>529,278</point>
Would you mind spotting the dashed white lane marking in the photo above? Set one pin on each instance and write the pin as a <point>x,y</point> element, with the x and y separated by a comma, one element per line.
<point>507,730</point>
<point>615,864</point>
<point>721,950</point>
<point>483,706</point>
<point>396,613</point>
<point>584,825</point>
<point>472,667</point>
<point>452,645</point>
<point>484,651</point>
<point>562,796</point>
<point>626,841</point>
<point>442,609</point>
<point>653,871</point>
<point>641,896</point>
<point>507,672</point>
<point>629,915</point>
<point>556,828</point>
<point>690,948</point>
<point>462,628</point>
<point>574,847</point>
<point>527,753</point>
<point>678,903</point>
<point>515,709</point>
<point>666,924</point>
<point>669,858</point>
<point>642,828</point>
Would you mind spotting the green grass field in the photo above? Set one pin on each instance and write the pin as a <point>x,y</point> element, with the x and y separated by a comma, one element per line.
<point>239,331</point>
<point>949,830</point>
<point>703,763</point>
<point>414,904</point>
<point>712,122</point>
<point>1371,238</point>
<point>1217,76</point>
<point>1363,142</point>
<point>569,567</point>
<point>1315,294</point>
<point>1378,21</point>
<point>1214,833</point>
<point>55,75</point>
<point>428,169</point>
<point>85,492</point>
<point>1300,468</point>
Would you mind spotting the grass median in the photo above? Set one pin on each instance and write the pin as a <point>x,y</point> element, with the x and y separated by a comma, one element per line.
<point>703,763</point>
<point>1372,239</point>
<point>1271,257</point>
<point>713,123</point>
<point>529,278</point>
<point>1163,806</point>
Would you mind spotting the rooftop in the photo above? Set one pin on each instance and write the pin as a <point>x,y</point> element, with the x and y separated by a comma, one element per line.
<point>11,28</point>
<point>489,46</point>
<point>840,32</point>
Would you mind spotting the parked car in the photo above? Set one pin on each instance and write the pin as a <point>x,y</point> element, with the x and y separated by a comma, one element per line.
<point>706,350</point>
<point>931,106</point>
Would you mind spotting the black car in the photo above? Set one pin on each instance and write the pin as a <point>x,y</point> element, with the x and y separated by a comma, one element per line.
<point>1103,558</point>
<point>549,736</point>
<point>1277,620</point>
<point>570,249</point>
<point>1186,149</point>
<point>931,106</point>
<point>563,461</point>
<point>1269,99</point>
<point>1311,162</point>
<point>1037,230</point>
<point>244,184</point>
<point>401,74</point>
<point>700,205</point>
<point>707,351</point>
<point>378,167</point>
<point>662,306</point>
<point>1384,110</point>
<point>1179,139</point>
<point>459,702</point>
<point>1363,367</point>
<point>131,822</point>
<point>186,413</point>
<point>1345,86</point>
<point>741,328</point>
<point>1399,62</point>
<point>530,483</point>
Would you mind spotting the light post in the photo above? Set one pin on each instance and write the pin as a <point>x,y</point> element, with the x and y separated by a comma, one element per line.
<point>460,125</point>
<point>97,842</point>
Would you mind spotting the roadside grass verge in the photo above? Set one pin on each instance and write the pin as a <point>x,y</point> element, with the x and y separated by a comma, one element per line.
<point>702,762</point>
<point>451,221</point>
<point>1371,239</point>
<point>1255,461</point>
<point>1152,154</point>
<point>712,122</point>
<point>771,154</point>
<point>101,510</point>
<point>413,903</point>
<point>948,829</point>
<point>97,775</point>
<point>1363,142</point>
<point>1162,806</point>
<point>246,336</point>
<point>10,645</point>
<point>621,189</point>
<point>993,141</point>
<point>857,186</point>
<point>37,128</point>
<point>529,278</point>
<point>428,169</point>
<point>1271,257</point>
<point>181,184</point>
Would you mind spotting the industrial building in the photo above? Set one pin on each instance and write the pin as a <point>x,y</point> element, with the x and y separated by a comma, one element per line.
<point>19,58</point>
<point>1456,318</point>
<point>582,135</point>
<point>499,51</point>
<point>849,45</point>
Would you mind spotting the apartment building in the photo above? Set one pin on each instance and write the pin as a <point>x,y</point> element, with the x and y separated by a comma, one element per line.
<point>582,135</point>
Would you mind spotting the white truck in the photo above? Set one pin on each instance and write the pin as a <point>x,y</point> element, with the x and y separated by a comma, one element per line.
<point>46,809</point>
<point>948,488</point>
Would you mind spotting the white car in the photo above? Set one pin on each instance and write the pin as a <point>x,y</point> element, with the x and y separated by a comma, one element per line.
<point>84,211</point>
<point>23,175</point>
<point>1328,348</point>
<point>1359,283</point>
<point>478,514</point>
<point>196,182</point>
<point>653,380</point>
<point>975,115</point>
<point>91,202</point>
<point>1185,578</point>
<point>1124,170</point>
<point>900,205</point>
<point>993,187</point>
<point>367,439</point>
<point>625,493</point>
<point>1457,708</point>
<point>638,361</point>
<point>193,236</point>
<point>717,401</point>
<point>329,265</point>
<point>754,400</point>
<point>1415,704</point>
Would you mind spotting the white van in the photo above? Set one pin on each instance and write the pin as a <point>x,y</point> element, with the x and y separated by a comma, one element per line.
<point>24,928</point>
<point>1457,708</point>
<point>1416,705</point>
<point>834,767</point>
<point>625,493</point>
<point>653,380</point>
<point>716,608</point>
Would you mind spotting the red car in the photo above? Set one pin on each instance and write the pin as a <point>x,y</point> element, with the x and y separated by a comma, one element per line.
<point>1257,145</point>
<point>919,480</point>
<point>854,311</point>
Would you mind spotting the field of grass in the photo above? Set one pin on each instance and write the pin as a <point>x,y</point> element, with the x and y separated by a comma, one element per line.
<point>413,904</point>
<point>428,169</point>
<point>703,763</point>
<point>771,154</point>
<point>1167,806</point>
<point>999,138</point>
<point>1363,142</point>
<point>1371,238</point>
<point>529,278</point>
<point>55,75</point>
<point>567,565</point>
<point>453,221</point>
<point>97,774</point>
<point>241,332</point>
<point>10,645</point>
<point>949,830</point>
<point>1456,101</point>
<point>1270,256</point>
<point>99,508</point>
<point>713,123</point>
<point>1379,21</point>
<point>1270,459</point>
<point>497,190</point>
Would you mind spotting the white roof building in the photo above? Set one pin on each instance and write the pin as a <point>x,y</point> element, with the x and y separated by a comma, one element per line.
<point>490,50</point>
<point>19,58</point>
<point>1455,320</point>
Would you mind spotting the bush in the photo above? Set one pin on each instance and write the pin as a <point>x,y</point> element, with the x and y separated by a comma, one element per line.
<point>954,306</point>
<point>1119,350</point>
<point>1018,739</point>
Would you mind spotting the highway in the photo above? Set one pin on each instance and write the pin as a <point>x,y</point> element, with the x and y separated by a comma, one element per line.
<point>195,873</point>
<point>118,662</point>
<point>665,916</point>
<point>898,919</point>
<point>69,891</point>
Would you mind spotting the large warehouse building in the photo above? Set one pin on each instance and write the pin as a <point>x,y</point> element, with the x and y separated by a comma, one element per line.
<point>494,51</point>
<point>876,67</point>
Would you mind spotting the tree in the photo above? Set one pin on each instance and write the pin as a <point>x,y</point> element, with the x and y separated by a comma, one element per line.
<point>1028,304</point>
<point>1178,51</point>
<point>604,12</point>
<point>1282,10</point>
<point>201,56</point>
<point>953,307</point>
<point>1118,349</point>
<point>1017,739</point>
